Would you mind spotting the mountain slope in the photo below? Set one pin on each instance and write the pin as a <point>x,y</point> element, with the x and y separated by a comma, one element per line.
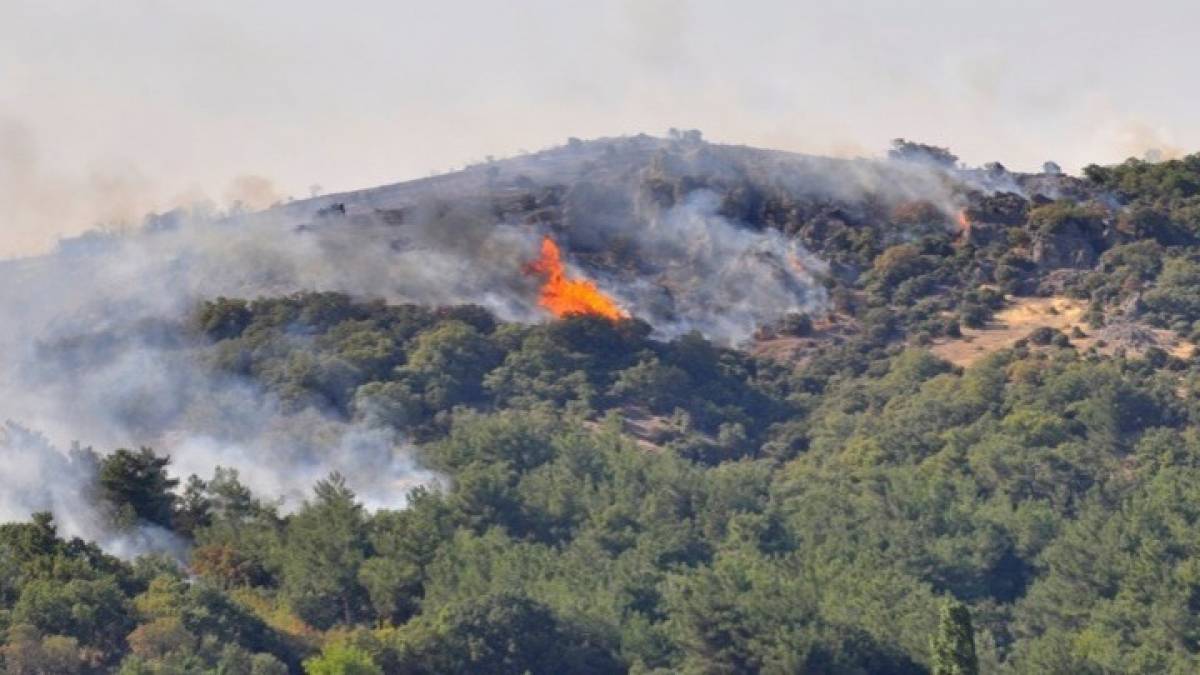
<point>349,431</point>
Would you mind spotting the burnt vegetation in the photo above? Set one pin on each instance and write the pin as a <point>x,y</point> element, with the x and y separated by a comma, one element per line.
<point>616,502</point>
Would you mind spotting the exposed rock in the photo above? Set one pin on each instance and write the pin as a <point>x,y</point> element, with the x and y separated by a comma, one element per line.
<point>1056,282</point>
<point>1001,208</point>
<point>1129,335</point>
<point>1068,246</point>
<point>1131,308</point>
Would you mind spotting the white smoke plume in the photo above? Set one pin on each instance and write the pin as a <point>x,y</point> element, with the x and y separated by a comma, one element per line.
<point>92,353</point>
<point>719,278</point>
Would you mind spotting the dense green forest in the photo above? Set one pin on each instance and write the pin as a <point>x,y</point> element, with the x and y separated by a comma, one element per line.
<point>613,502</point>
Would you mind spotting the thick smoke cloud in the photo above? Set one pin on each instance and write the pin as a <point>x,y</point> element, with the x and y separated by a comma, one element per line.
<point>716,277</point>
<point>93,353</point>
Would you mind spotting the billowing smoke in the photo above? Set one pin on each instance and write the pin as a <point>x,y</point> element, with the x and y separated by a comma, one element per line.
<point>716,277</point>
<point>94,351</point>
<point>42,477</point>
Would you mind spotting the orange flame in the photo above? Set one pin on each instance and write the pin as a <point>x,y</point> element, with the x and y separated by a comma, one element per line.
<point>964,221</point>
<point>564,296</point>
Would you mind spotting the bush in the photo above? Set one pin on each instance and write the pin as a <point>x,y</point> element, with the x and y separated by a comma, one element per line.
<point>973,315</point>
<point>1042,335</point>
<point>341,660</point>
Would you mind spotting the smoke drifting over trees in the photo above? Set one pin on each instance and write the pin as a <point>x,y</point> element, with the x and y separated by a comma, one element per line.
<point>685,235</point>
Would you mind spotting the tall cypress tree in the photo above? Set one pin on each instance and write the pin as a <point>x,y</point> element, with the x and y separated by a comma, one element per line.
<point>953,646</point>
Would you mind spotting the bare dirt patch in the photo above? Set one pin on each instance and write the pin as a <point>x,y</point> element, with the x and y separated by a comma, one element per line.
<point>1023,315</point>
<point>829,329</point>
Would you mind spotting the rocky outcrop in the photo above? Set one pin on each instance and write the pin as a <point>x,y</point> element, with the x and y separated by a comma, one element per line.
<point>1069,246</point>
<point>1001,208</point>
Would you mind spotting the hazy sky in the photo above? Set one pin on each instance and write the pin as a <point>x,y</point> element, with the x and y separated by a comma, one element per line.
<point>113,107</point>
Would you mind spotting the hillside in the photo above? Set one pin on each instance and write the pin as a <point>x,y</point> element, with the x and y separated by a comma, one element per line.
<point>637,404</point>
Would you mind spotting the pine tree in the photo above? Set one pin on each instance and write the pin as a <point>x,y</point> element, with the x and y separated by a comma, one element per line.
<point>137,486</point>
<point>953,647</point>
<point>326,545</point>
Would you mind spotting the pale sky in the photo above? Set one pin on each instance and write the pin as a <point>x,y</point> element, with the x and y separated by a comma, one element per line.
<point>110,108</point>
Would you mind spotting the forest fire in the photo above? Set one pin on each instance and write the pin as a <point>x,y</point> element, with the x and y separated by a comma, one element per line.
<point>564,296</point>
<point>964,221</point>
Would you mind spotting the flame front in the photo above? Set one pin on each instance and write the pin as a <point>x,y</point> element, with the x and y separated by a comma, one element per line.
<point>564,296</point>
<point>964,221</point>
